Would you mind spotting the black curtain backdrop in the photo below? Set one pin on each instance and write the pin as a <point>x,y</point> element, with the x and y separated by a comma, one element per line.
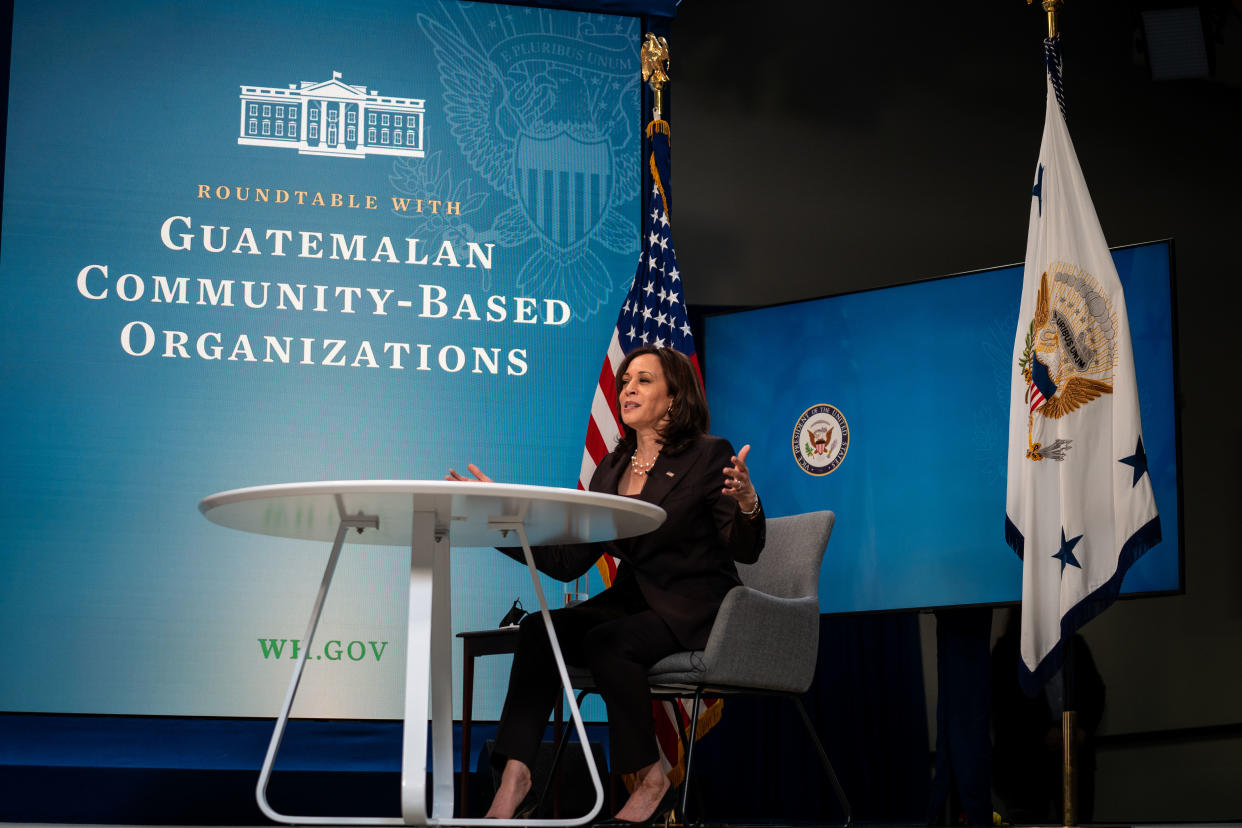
<point>962,785</point>
<point>868,706</point>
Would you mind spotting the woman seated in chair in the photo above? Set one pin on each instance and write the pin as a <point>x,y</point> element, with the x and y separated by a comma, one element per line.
<point>668,588</point>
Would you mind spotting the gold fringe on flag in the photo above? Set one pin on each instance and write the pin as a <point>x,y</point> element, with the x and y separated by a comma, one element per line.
<point>661,127</point>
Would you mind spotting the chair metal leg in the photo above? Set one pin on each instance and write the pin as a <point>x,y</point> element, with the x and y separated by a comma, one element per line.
<point>685,781</point>
<point>823,759</point>
<point>683,736</point>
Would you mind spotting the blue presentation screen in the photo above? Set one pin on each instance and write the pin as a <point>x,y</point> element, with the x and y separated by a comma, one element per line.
<point>901,395</point>
<point>249,243</point>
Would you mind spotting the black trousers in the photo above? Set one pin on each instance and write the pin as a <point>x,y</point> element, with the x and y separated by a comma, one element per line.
<point>617,636</point>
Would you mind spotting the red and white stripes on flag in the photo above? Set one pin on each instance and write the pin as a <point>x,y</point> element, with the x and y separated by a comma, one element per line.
<point>1034,396</point>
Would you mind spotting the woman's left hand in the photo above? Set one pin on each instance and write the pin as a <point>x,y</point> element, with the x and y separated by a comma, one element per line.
<point>473,469</point>
<point>737,482</point>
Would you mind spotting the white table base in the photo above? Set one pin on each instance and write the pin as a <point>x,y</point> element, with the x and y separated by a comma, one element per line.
<point>429,643</point>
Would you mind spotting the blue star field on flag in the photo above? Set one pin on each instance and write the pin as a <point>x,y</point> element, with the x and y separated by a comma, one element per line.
<point>654,312</point>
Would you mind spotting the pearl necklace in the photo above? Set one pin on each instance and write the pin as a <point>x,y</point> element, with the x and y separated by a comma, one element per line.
<point>640,467</point>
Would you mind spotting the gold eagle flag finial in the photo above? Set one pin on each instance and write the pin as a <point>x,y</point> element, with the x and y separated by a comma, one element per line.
<point>654,56</point>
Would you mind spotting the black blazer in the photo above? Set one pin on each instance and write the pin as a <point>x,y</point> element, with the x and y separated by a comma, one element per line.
<point>685,567</point>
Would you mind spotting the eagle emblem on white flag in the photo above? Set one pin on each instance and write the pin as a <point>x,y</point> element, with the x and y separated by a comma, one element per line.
<point>1069,352</point>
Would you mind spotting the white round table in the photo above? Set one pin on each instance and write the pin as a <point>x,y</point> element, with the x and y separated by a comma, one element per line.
<point>430,517</point>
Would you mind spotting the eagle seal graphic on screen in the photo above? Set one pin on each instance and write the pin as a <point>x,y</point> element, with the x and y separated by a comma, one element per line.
<point>1069,355</point>
<point>820,436</point>
<point>546,119</point>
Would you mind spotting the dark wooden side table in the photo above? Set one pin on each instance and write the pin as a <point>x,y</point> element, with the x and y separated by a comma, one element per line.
<point>476,643</point>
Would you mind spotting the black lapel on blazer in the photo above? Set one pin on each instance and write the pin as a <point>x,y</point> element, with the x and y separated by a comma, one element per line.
<point>610,477</point>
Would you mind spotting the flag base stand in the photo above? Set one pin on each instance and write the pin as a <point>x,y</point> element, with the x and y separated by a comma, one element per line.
<point>1069,773</point>
<point>1069,769</point>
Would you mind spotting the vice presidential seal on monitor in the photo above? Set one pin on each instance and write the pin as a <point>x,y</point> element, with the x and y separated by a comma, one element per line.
<point>820,439</point>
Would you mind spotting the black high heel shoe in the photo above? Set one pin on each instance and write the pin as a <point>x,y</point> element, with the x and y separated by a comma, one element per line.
<point>662,815</point>
<point>530,803</point>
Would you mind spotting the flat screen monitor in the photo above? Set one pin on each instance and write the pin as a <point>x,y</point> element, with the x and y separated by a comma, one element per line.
<point>919,375</point>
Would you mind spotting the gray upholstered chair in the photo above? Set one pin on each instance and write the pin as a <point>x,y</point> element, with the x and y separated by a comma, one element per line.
<point>765,639</point>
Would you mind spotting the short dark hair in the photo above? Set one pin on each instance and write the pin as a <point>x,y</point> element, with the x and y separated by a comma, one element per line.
<point>688,418</point>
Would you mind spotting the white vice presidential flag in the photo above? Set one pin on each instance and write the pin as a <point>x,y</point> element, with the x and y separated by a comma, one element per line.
<point>1079,507</point>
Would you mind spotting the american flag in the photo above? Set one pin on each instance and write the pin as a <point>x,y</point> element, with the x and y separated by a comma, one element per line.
<point>654,314</point>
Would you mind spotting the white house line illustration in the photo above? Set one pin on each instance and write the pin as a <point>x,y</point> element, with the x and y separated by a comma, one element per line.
<point>331,118</point>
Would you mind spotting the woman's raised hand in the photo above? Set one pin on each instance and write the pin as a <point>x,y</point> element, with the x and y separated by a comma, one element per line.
<point>737,482</point>
<point>473,469</point>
